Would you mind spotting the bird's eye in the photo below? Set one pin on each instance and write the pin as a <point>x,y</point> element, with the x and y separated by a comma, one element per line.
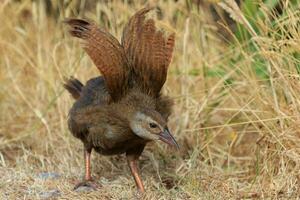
<point>153,125</point>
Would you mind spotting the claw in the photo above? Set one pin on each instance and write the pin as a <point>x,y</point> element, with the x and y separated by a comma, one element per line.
<point>88,184</point>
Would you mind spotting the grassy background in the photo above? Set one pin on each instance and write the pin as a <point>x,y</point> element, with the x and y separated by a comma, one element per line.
<point>235,81</point>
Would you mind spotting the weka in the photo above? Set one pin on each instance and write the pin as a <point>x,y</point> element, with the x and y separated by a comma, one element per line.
<point>122,110</point>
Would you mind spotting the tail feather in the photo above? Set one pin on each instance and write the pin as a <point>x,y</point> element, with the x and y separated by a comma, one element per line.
<point>74,87</point>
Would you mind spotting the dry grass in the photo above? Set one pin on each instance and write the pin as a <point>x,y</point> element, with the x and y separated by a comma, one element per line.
<point>239,134</point>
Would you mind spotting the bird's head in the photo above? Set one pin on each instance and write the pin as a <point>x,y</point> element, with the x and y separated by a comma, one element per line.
<point>150,125</point>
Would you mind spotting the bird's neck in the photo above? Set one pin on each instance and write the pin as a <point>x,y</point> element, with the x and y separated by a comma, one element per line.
<point>135,101</point>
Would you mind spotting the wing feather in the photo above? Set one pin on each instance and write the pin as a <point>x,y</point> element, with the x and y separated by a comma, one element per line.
<point>106,52</point>
<point>148,51</point>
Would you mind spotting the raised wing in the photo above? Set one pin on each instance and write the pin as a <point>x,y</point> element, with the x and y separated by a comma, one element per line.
<point>106,52</point>
<point>148,51</point>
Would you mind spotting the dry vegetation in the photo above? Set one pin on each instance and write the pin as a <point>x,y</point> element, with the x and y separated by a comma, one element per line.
<point>236,116</point>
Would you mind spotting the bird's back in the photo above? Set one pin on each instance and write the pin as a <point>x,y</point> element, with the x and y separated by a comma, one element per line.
<point>94,93</point>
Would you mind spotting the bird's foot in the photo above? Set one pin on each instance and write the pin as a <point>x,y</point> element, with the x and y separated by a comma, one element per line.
<point>86,185</point>
<point>139,194</point>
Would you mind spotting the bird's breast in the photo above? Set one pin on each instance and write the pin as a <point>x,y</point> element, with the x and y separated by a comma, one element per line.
<point>114,148</point>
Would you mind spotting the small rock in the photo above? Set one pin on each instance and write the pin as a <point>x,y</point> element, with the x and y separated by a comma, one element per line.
<point>48,175</point>
<point>50,194</point>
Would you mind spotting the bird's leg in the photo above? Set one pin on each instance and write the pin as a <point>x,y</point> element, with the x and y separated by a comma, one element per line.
<point>132,162</point>
<point>87,177</point>
<point>87,162</point>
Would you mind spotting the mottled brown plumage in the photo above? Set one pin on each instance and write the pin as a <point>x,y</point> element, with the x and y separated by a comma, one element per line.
<point>148,51</point>
<point>122,110</point>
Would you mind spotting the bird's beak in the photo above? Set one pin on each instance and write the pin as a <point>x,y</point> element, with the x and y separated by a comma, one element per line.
<point>168,138</point>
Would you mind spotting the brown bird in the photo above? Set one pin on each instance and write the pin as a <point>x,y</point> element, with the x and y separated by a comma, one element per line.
<point>122,110</point>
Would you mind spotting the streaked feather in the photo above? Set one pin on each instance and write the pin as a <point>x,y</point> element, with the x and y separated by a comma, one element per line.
<point>106,52</point>
<point>148,52</point>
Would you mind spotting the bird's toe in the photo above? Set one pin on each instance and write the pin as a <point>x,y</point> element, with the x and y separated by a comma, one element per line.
<point>86,186</point>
